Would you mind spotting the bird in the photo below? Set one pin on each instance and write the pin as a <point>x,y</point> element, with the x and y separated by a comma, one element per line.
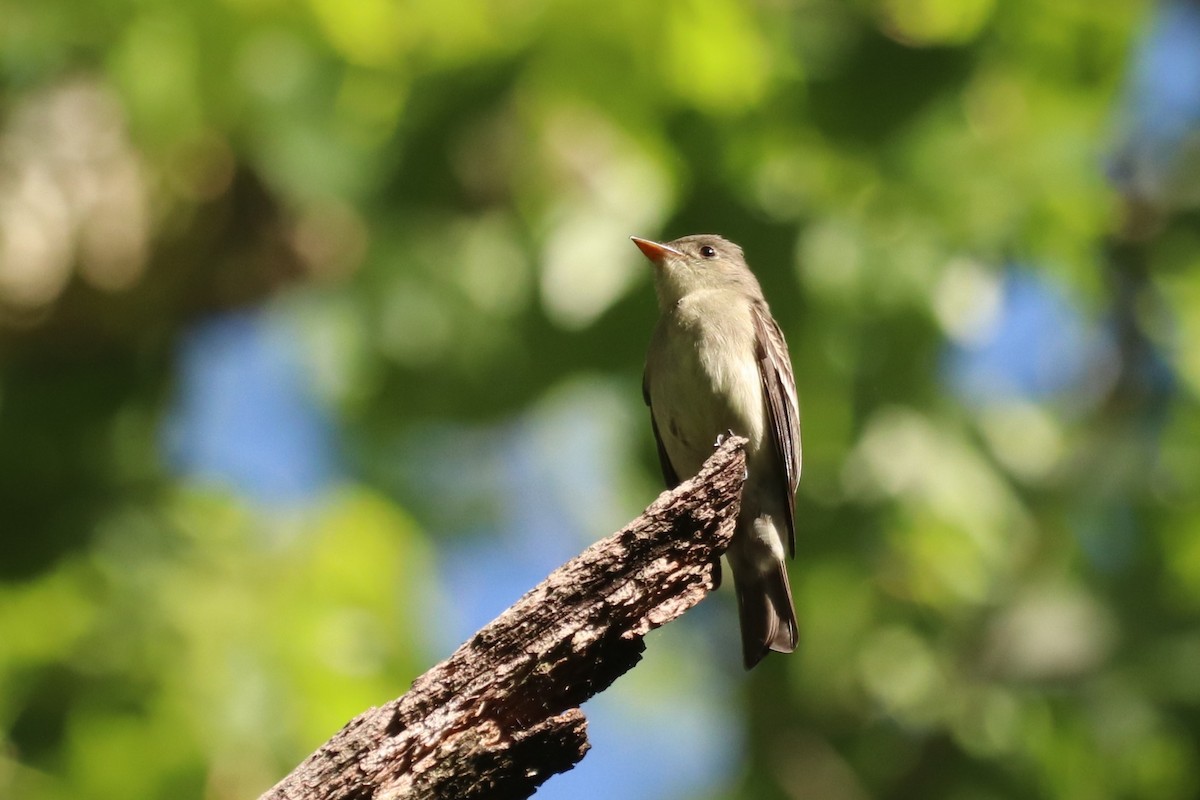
<point>718,364</point>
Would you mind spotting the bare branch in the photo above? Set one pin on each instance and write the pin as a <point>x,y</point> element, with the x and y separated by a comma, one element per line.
<point>501,715</point>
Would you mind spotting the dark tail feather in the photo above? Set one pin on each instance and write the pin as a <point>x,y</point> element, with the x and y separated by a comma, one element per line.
<point>767,616</point>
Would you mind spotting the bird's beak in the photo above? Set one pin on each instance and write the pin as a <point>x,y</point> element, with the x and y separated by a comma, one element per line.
<point>655,251</point>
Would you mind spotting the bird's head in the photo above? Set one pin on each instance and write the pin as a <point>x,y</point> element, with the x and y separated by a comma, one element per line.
<point>696,263</point>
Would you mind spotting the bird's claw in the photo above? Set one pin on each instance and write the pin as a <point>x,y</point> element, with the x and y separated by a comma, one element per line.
<point>721,437</point>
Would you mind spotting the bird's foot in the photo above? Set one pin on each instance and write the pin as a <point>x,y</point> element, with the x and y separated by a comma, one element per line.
<point>721,437</point>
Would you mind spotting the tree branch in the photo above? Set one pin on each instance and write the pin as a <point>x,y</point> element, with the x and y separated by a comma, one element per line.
<point>501,715</point>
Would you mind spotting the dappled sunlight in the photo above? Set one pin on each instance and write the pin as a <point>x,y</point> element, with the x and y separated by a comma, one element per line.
<point>1049,633</point>
<point>606,187</point>
<point>73,198</point>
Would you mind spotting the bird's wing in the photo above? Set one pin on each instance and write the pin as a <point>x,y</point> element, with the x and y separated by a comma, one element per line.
<point>783,410</point>
<point>669,475</point>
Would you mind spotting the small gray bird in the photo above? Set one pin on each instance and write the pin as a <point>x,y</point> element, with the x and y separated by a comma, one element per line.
<point>718,364</point>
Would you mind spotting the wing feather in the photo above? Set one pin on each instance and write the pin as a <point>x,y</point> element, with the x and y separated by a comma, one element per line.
<point>670,477</point>
<point>783,410</point>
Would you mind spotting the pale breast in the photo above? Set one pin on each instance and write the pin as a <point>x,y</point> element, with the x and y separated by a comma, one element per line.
<point>704,379</point>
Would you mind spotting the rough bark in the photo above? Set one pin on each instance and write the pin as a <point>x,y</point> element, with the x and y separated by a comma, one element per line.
<point>501,715</point>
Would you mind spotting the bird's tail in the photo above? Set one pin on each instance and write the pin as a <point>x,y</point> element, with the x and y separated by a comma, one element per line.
<point>768,618</point>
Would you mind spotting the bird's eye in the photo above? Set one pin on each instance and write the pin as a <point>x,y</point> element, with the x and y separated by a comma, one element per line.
<point>708,252</point>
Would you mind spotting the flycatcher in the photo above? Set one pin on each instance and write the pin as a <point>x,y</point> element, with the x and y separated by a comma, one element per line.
<point>717,364</point>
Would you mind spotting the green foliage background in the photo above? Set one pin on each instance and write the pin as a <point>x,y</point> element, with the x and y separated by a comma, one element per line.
<point>440,195</point>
